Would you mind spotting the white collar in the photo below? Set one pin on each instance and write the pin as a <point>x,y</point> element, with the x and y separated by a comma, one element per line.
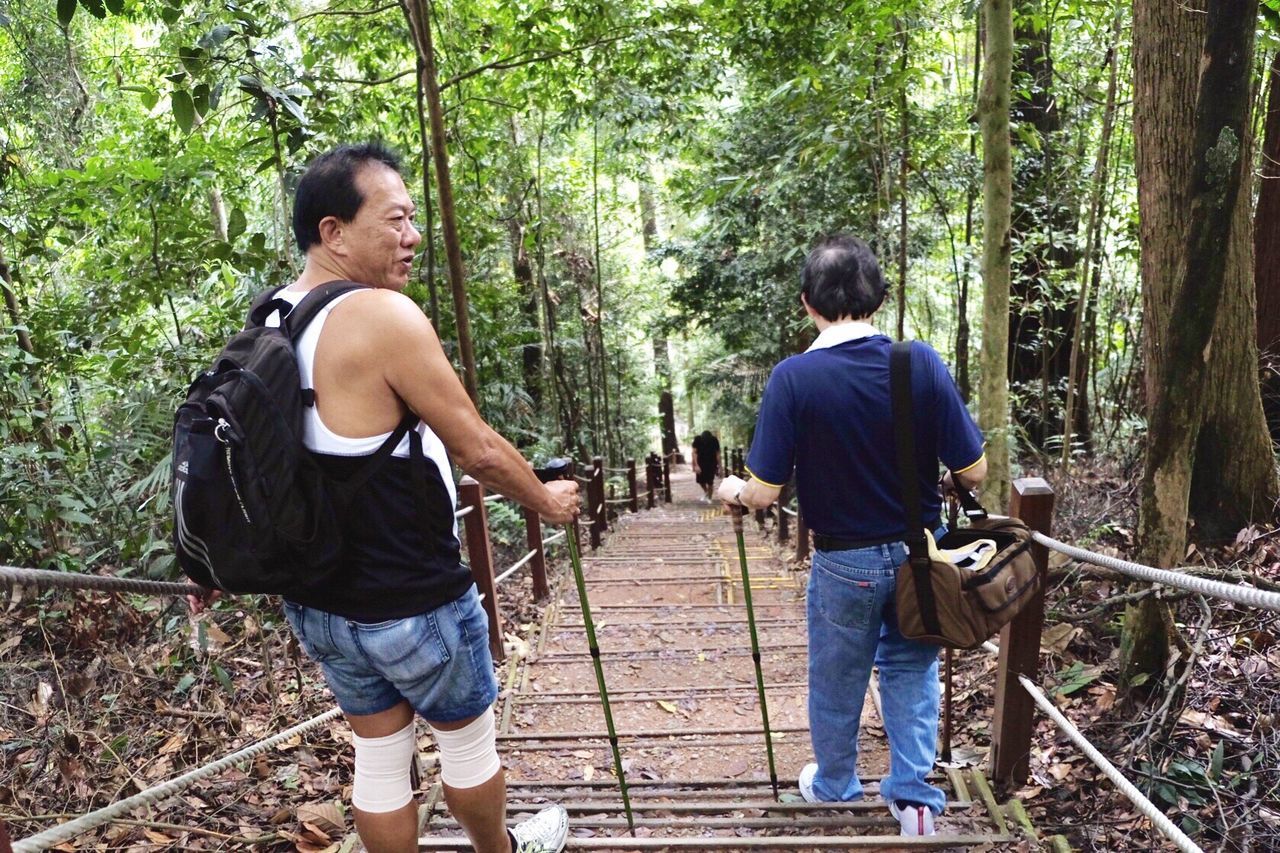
<point>842,333</point>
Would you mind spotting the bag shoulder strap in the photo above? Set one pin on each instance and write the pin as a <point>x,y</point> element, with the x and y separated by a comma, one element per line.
<point>905,440</point>
<point>314,302</point>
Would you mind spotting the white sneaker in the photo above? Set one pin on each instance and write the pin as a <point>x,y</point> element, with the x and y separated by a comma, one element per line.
<point>914,819</point>
<point>545,832</point>
<point>806,783</point>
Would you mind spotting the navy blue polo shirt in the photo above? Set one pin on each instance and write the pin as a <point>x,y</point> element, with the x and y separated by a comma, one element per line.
<point>826,413</point>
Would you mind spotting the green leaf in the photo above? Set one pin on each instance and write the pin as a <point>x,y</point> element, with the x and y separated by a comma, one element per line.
<point>66,10</point>
<point>236,224</point>
<point>200,98</point>
<point>170,14</point>
<point>215,37</point>
<point>1215,762</point>
<point>184,684</point>
<point>115,7</point>
<point>74,516</point>
<point>221,674</point>
<point>192,59</point>
<point>184,109</point>
<point>149,99</point>
<point>95,7</point>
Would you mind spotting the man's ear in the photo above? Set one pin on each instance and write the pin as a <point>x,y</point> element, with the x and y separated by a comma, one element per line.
<point>333,234</point>
<point>808,309</point>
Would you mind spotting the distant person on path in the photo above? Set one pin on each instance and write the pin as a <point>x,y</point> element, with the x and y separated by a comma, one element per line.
<point>401,630</point>
<point>706,461</point>
<point>826,414</point>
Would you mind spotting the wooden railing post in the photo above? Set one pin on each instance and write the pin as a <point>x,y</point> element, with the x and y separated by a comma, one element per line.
<point>538,565</point>
<point>650,475</point>
<point>480,554</point>
<point>634,506</point>
<point>598,462</point>
<point>802,537</point>
<point>666,478</point>
<point>783,519</point>
<point>1031,500</point>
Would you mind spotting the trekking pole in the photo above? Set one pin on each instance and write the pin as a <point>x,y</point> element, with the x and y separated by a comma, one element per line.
<point>737,512</point>
<point>575,560</point>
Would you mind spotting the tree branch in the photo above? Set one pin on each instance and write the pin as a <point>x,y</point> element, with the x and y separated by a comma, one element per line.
<point>345,13</point>
<point>512,62</point>
<point>379,82</point>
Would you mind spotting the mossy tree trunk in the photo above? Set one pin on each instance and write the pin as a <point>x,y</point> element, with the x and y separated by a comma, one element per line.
<point>997,191</point>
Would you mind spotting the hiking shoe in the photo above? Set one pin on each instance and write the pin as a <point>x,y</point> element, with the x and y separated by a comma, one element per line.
<point>914,818</point>
<point>806,783</point>
<point>545,832</point>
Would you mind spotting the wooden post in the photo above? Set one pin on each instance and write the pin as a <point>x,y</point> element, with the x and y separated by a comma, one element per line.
<point>634,506</point>
<point>5,845</point>
<point>538,565</point>
<point>603,519</point>
<point>1031,499</point>
<point>593,508</point>
<point>650,476</point>
<point>783,519</point>
<point>480,554</point>
<point>802,537</point>
<point>666,479</point>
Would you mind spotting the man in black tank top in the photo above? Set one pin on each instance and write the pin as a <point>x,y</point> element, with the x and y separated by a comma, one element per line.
<point>400,630</point>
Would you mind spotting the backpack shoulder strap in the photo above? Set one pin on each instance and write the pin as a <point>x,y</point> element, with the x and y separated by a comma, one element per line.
<point>314,302</point>
<point>905,440</point>
<point>256,309</point>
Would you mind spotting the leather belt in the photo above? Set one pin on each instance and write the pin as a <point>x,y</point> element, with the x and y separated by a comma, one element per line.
<point>835,543</point>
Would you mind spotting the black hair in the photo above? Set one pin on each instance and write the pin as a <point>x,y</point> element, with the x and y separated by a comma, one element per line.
<point>842,279</point>
<point>328,187</point>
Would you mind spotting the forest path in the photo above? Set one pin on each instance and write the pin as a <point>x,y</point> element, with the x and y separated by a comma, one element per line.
<point>665,594</point>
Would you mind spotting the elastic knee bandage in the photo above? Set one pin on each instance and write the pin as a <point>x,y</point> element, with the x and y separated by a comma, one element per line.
<point>382,771</point>
<point>469,755</point>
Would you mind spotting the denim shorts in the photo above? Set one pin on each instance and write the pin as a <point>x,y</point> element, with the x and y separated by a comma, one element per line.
<point>438,661</point>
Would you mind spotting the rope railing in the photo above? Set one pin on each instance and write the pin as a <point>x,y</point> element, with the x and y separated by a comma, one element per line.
<point>555,537</point>
<point>518,564</point>
<point>465,511</point>
<point>1238,593</point>
<point>582,479</point>
<point>789,511</point>
<point>494,497</point>
<point>48,579</point>
<point>1158,818</point>
<point>66,831</point>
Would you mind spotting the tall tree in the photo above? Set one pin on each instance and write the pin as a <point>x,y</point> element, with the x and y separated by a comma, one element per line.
<point>661,346</point>
<point>1194,199</point>
<point>997,191</point>
<point>1044,226</point>
<point>418,15</point>
<point>1266,224</point>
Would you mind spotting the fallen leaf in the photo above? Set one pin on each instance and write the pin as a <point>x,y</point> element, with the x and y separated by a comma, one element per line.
<point>667,706</point>
<point>588,773</point>
<point>325,816</point>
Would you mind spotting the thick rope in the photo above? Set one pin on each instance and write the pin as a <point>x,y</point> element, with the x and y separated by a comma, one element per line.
<point>84,823</point>
<point>789,511</point>
<point>1148,808</point>
<point>46,579</point>
<point>494,497</point>
<point>553,538</point>
<point>466,510</point>
<point>511,571</point>
<point>1126,787</point>
<point>1246,595</point>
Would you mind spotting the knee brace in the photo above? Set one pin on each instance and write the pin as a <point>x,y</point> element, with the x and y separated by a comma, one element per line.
<point>469,755</point>
<point>382,771</point>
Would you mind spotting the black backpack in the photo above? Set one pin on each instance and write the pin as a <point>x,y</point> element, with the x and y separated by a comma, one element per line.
<point>251,510</point>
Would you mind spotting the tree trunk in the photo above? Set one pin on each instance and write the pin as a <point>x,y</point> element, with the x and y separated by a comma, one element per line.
<point>1044,227</point>
<point>661,353</point>
<point>970,196</point>
<point>1266,224</point>
<point>601,351</point>
<point>11,305</point>
<point>993,112</point>
<point>417,14</point>
<point>904,153</point>
<point>1093,233</point>
<point>1189,327</point>
<point>428,269</point>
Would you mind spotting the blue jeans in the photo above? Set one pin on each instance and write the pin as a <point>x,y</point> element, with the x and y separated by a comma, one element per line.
<point>853,623</point>
<point>438,661</point>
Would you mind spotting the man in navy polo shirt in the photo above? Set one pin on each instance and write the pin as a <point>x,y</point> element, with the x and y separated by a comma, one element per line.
<point>826,414</point>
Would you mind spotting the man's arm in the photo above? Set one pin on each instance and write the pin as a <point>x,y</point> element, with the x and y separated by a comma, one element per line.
<point>417,370</point>
<point>752,493</point>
